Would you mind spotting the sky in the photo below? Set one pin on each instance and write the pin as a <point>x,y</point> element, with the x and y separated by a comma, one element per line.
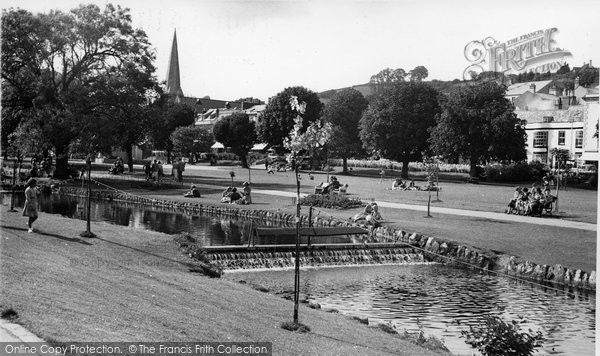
<point>235,49</point>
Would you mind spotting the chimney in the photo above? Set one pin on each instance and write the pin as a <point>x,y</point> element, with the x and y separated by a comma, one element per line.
<point>532,87</point>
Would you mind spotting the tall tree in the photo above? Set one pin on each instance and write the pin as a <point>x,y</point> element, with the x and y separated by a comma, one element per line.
<point>191,140</point>
<point>479,124</point>
<point>168,117</point>
<point>397,120</point>
<point>21,44</point>
<point>238,132</point>
<point>61,63</point>
<point>278,118</point>
<point>344,111</point>
<point>418,74</point>
<point>386,78</point>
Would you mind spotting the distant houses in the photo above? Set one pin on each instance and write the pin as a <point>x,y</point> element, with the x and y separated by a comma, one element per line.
<point>557,118</point>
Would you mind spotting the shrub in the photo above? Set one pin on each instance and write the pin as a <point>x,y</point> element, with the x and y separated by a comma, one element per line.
<point>297,327</point>
<point>515,172</point>
<point>331,201</point>
<point>8,313</point>
<point>497,337</point>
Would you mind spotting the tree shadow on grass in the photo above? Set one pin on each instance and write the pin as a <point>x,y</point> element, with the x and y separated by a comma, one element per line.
<point>186,264</point>
<point>60,237</point>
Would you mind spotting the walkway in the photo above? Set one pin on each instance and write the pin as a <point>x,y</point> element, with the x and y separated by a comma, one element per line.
<point>16,334</point>
<point>471,213</point>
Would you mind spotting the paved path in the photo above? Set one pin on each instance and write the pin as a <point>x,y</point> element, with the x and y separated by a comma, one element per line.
<point>15,333</point>
<point>471,213</point>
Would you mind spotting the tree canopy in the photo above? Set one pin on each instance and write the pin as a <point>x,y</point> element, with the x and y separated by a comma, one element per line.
<point>479,124</point>
<point>57,71</point>
<point>168,117</point>
<point>397,120</point>
<point>418,73</point>
<point>344,111</point>
<point>278,118</point>
<point>191,140</point>
<point>238,132</point>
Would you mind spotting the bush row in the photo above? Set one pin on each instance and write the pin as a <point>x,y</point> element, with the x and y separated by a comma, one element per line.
<point>388,164</point>
<point>515,172</point>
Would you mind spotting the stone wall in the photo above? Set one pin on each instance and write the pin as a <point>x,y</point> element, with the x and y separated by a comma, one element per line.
<point>437,249</point>
<point>434,248</point>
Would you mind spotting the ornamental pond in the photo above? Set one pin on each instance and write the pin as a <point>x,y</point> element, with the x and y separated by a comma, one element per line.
<point>440,301</point>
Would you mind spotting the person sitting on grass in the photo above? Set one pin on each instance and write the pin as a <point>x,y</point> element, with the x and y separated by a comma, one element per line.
<point>225,196</point>
<point>412,185</point>
<point>370,214</point>
<point>235,197</point>
<point>193,192</point>
<point>398,184</point>
<point>246,193</point>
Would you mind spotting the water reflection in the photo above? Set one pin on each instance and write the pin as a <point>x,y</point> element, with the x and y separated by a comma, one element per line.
<point>209,230</point>
<point>444,301</point>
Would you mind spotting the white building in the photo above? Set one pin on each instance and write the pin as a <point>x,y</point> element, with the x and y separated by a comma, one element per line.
<point>554,120</point>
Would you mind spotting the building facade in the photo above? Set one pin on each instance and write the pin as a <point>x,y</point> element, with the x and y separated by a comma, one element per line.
<point>557,119</point>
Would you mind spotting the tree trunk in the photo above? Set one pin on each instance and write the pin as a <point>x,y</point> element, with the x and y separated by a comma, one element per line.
<point>473,169</point>
<point>344,164</point>
<point>129,151</point>
<point>404,171</point>
<point>62,166</point>
<point>243,159</point>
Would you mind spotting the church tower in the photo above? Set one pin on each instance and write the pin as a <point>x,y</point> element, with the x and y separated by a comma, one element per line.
<point>173,81</point>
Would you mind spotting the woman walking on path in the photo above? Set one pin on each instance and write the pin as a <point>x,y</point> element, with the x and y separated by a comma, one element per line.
<point>30,208</point>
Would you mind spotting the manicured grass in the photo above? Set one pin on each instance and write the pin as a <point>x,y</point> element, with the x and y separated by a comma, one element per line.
<point>540,244</point>
<point>133,285</point>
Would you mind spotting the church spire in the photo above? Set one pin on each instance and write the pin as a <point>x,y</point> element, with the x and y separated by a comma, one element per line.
<point>173,82</point>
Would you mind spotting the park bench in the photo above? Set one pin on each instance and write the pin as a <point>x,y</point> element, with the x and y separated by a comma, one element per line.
<point>342,190</point>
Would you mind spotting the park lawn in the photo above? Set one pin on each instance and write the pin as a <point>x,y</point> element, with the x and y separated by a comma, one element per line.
<point>574,204</point>
<point>134,285</point>
<point>572,248</point>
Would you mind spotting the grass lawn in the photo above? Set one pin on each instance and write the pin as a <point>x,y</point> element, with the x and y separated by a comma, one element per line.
<point>133,285</point>
<point>572,248</point>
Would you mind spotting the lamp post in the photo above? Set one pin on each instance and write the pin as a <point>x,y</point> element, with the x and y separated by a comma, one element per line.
<point>88,232</point>
<point>297,251</point>
<point>14,182</point>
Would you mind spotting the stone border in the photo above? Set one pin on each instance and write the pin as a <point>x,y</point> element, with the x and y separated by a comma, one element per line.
<point>435,249</point>
<point>441,250</point>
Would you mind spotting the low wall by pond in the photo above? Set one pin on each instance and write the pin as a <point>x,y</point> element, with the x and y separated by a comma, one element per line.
<point>440,250</point>
<point>431,248</point>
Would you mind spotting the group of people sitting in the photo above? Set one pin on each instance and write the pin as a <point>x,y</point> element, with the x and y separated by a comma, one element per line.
<point>370,215</point>
<point>231,195</point>
<point>118,167</point>
<point>531,202</point>
<point>398,184</point>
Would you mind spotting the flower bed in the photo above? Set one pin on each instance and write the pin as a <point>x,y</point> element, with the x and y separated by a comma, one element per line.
<point>331,201</point>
